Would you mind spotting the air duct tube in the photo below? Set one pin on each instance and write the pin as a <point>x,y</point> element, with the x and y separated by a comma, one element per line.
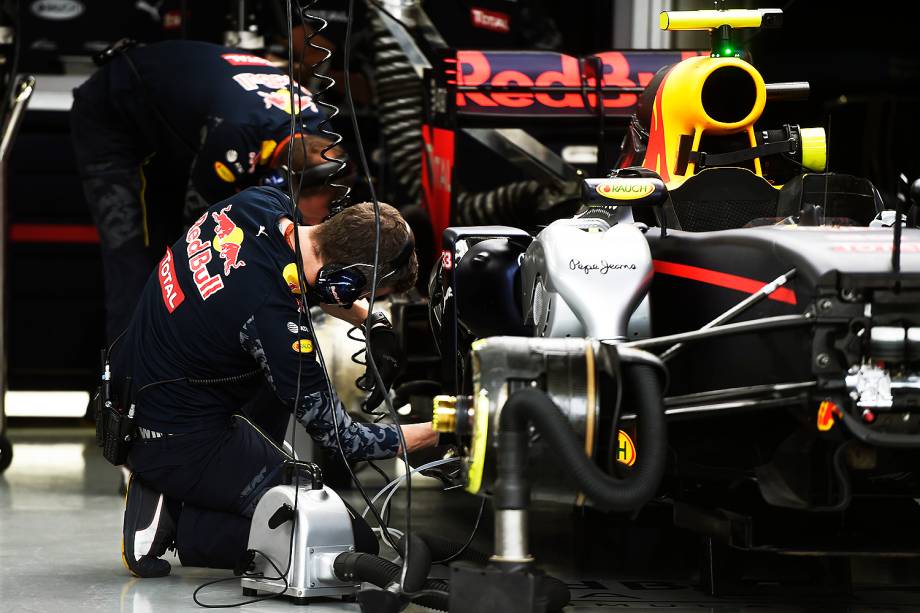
<point>375,570</point>
<point>532,406</point>
<point>419,559</point>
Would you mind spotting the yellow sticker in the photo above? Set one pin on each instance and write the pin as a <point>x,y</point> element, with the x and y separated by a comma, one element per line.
<point>625,189</point>
<point>306,345</point>
<point>826,411</point>
<point>290,276</point>
<point>268,148</point>
<point>626,449</point>
<point>224,173</point>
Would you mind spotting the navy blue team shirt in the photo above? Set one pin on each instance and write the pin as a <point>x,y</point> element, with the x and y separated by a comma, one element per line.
<point>224,301</point>
<point>228,108</point>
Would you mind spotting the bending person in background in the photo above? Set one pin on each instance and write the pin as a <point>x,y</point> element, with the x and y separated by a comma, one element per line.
<point>162,131</point>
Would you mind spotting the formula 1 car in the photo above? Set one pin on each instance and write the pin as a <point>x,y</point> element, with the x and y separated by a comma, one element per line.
<point>722,328</point>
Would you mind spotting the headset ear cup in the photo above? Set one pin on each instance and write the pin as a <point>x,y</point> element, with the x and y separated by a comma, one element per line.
<point>337,284</point>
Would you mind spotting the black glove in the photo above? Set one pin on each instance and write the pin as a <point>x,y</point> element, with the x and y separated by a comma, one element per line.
<point>388,356</point>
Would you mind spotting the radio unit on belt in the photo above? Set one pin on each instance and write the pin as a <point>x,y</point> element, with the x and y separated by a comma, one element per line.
<point>115,429</point>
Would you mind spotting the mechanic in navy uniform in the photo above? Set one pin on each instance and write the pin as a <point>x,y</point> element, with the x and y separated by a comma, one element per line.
<point>191,122</point>
<point>225,303</point>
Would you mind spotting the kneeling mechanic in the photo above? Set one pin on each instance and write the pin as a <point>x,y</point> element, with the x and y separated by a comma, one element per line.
<point>224,304</point>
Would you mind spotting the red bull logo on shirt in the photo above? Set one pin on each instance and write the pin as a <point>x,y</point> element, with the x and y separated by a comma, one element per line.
<point>199,254</point>
<point>228,240</point>
<point>281,99</point>
<point>279,94</point>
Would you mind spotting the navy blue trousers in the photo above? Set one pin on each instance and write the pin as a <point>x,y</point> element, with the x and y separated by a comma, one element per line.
<point>213,480</point>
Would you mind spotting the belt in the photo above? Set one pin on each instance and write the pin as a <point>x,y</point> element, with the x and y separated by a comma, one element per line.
<point>148,435</point>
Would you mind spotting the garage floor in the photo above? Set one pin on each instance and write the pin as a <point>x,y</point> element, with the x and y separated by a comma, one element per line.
<point>60,521</point>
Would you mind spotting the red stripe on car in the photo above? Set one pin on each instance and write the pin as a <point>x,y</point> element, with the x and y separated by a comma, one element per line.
<point>722,279</point>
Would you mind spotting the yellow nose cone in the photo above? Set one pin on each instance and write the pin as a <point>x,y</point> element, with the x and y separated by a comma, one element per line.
<point>444,414</point>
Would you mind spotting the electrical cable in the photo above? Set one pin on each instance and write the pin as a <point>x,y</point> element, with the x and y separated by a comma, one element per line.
<point>385,508</point>
<point>195,381</point>
<point>352,334</point>
<point>280,577</point>
<point>469,541</point>
<point>379,471</point>
<point>341,201</point>
<point>392,531</point>
<point>394,485</point>
<point>295,113</point>
<point>372,366</point>
<point>398,480</point>
<point>386,479</point>
<point>108,351</point>
<point>319,354</point>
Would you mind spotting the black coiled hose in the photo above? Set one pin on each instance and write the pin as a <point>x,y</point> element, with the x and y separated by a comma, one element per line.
<point>533,406</point>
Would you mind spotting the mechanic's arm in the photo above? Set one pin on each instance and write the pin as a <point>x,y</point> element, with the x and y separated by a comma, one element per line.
<point>274,346</point>
<point>355,315</point>
<point>419,436</point>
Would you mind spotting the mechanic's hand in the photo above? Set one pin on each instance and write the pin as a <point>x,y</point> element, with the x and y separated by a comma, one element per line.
<point>388,356</point>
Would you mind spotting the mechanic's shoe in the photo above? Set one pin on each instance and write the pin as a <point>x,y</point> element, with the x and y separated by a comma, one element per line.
<point>148,531</point>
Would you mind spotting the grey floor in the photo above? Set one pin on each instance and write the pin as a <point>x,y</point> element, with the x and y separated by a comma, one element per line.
<point>60,521</point>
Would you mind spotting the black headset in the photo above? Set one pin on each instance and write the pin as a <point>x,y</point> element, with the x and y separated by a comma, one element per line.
<point>342,284</point>
<point>315,176</point>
